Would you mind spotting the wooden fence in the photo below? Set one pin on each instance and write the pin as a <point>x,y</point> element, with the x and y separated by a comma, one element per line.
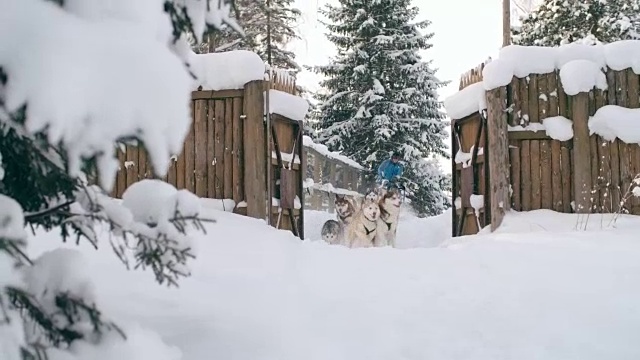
<point>534,171</point>
<point>330,176</point>
<point>225,155</point>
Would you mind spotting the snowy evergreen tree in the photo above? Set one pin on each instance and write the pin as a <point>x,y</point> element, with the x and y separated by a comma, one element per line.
<point>380,96</point>
<point>556,22</point>
<point>252,16</point>
<point>60,126</point>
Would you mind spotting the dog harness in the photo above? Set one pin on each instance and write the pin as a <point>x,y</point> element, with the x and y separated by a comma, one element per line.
<point>367,230</point>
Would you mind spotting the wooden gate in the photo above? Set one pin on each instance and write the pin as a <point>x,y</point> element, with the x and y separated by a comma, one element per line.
<point>225,156</point>
<point>470,174</point>
<point>286,175</point>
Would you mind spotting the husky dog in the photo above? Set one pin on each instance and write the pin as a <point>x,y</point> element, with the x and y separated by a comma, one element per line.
<point>332,232</point>
<point>388,220</point>
<point>344,210</point>
<point>372,195</point>
<point>362,229</point>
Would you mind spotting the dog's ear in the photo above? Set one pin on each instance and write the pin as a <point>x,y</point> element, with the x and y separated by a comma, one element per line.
<point>339,197</point>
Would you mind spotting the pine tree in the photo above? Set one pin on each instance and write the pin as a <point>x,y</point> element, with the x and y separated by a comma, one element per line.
<point>558,22</point>
<point>252,15</point>
<point>380,96</point>
<point>38,189</point>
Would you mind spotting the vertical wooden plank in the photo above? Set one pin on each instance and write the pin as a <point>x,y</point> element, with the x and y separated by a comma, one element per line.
<point>564,109</point>
<point>620,187</point>
<point>545,147</point>
<point>633,87</point>
<point>524,100</point>
<point>171,173</point>
<point>513,101</point>
<point>190,159</point>
<point>317,179</point>
<point>567,184</point>
<point>600,159</point>
<point>534,145</point>
<point>228,148</point>
<point>581,152</point>
<point>546,195</point>
<point>514,160</point>
<point>556,180</point>
<point>255,158</point>
<point>220,111</point>
<point>180,170</point>
<point>200,147</point>
<point>498,156</point>
<point>212,179</point>
<point>238,181</point>
<point>142,162</point>
<point>131,164</point>
<point>332,176</point>
<point>525,175</point>
<point>121,180</point>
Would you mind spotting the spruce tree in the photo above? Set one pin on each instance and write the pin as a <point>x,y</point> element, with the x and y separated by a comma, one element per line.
<point>380,96</point>
<point>43,177</point>
<point>557,22</point>
<point>252,15</point>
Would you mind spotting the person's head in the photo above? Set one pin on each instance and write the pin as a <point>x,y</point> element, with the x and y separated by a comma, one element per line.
<point>395,157</point>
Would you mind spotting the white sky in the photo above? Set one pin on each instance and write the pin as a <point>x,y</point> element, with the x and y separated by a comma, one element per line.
<point>466,33</point>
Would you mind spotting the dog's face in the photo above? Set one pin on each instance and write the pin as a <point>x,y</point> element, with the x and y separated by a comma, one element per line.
<point>343,206</point>
<point>371,210</point>
<point>372,195</point>
<point>392,198</point>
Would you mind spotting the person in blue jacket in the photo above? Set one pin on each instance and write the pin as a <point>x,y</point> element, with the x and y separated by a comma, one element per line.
<point>390,169</point>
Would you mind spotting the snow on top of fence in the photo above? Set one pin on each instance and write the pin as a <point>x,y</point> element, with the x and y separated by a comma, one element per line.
<point>290,106</point>
<point>467,101</point>
<point>226,70</point>
<point>324,151</point>
<point>613,122</point>
<point>580,68</point>
<point>522,61</point>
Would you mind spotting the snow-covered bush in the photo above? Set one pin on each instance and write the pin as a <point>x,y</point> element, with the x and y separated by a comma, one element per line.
<point>78,77</point>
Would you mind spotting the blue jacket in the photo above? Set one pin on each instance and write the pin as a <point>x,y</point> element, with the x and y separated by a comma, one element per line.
<point>388,170</point>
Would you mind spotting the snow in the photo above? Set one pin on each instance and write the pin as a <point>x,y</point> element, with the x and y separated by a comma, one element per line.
<point>290,106</point>
<point>221,205</point>
<point>582,76</point>
<point>477,202</point>
<point>496,74</point>
<point>465,158</point>
<point>148,209</point>
<point>558,128</point>
<point>329,188</point>
<point>465,102</point>
<point>71,73</point>
<point>307,183</point>
<point>612,121</point>
<point>227,70</point>
<point>522,61</point>
<point>286,157</point>
<point>324,151</point>
<point>260,293</point>
<point>11,219</point>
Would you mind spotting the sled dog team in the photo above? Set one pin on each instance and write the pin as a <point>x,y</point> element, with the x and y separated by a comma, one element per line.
<point>373,222</point>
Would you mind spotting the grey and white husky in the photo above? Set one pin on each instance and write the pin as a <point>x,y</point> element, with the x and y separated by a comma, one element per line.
<point>331,232</point>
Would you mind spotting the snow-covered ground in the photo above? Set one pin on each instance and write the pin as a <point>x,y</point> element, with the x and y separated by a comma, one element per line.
<point>413,232</point>
<point>537,289</point>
